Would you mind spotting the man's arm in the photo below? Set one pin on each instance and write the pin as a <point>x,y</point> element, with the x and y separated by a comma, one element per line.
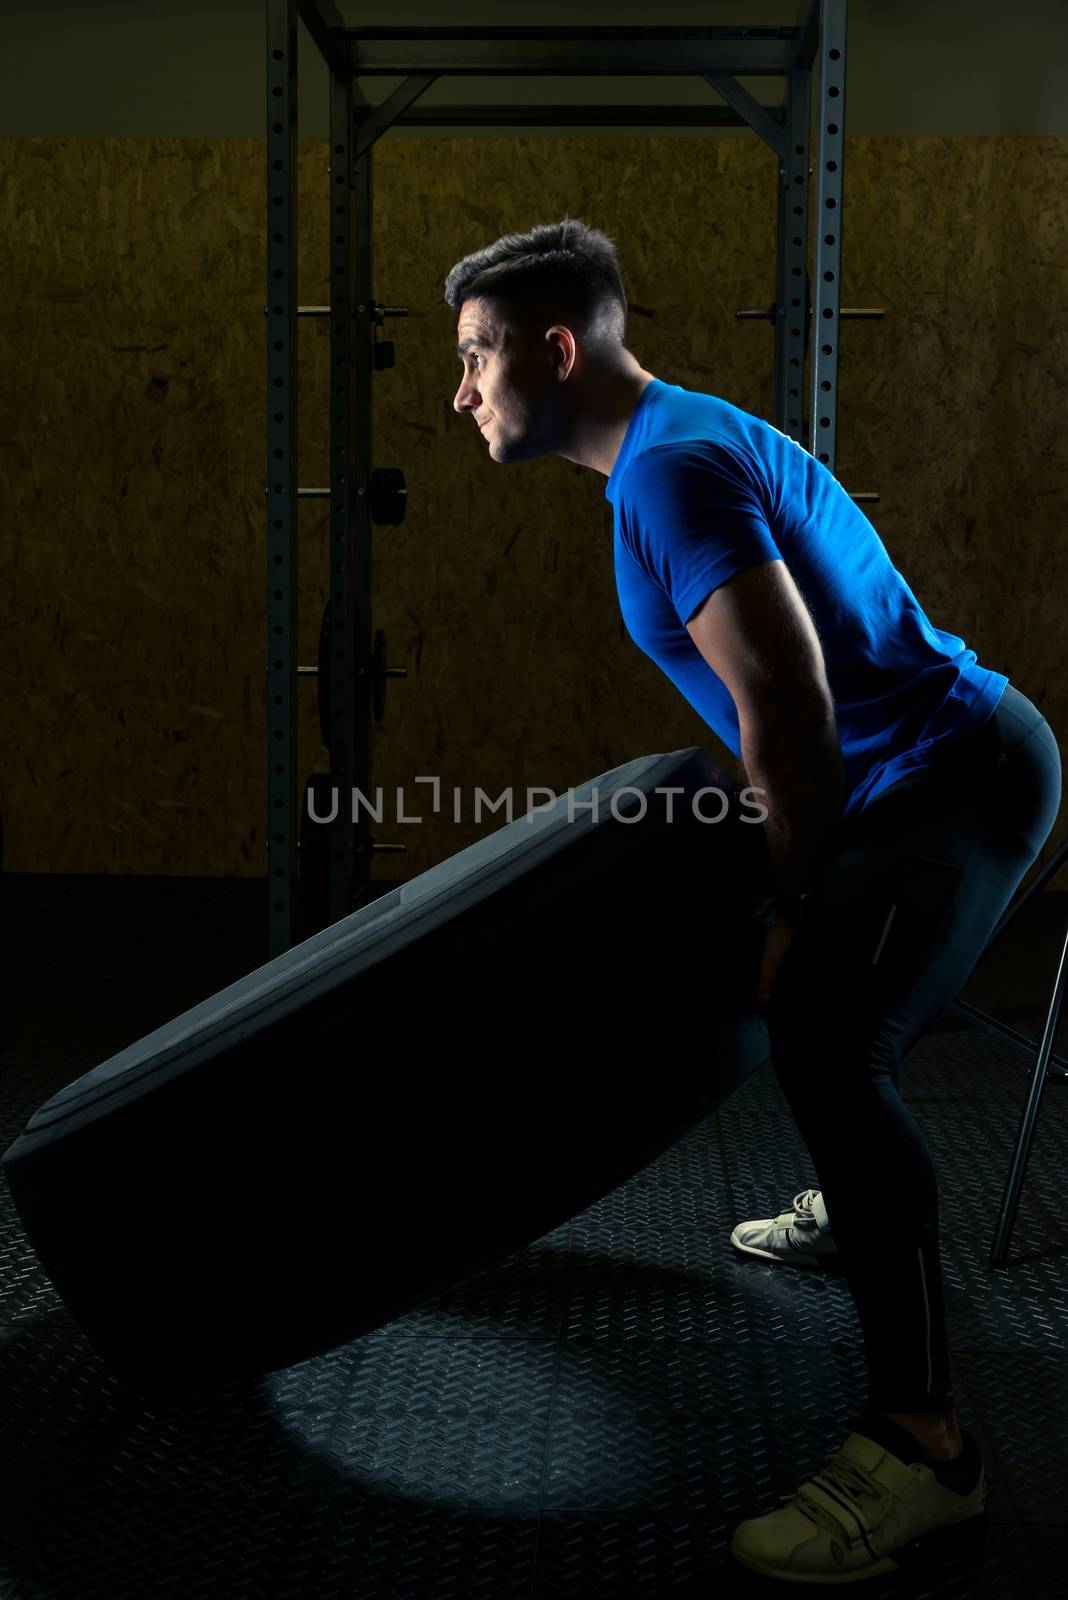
<point>756,634</point>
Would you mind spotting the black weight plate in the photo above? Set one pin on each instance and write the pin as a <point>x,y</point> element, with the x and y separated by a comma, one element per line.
<point>389,496</point>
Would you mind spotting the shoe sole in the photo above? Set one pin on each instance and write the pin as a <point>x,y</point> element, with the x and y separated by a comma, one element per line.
<point>799,1258</point>
<point>960,1540</point>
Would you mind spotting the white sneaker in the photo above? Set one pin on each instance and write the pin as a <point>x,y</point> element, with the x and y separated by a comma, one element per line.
<point>800,1237</point>
<point>864,1514</point>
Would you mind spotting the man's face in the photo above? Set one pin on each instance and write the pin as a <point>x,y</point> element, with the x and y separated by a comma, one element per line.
<point>506,386</point>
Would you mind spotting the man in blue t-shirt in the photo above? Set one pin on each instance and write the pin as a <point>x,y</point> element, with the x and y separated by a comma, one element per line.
<point>702,492</point>
<point>745,571</point>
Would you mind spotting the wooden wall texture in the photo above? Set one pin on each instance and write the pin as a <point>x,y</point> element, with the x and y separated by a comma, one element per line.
<point>132,460</point>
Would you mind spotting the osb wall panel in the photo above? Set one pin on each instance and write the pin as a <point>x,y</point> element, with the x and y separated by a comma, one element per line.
<point>132,452</point>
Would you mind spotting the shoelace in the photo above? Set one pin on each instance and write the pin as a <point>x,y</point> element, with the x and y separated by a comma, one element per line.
<point>803,1202</point>
<point>841,1481</point>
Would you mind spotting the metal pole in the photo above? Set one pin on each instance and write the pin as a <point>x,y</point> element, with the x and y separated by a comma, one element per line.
<point>791,258</point>
<point>1025,1137</point>
<point>823,420</point>
<point>360,699</point>
<point>282,815</point>
<point>345,481</point>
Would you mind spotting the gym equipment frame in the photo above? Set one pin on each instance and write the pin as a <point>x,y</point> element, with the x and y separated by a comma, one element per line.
<point>420,56</point>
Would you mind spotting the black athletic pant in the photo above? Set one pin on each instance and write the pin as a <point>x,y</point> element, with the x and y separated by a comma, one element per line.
<point>885,941</point>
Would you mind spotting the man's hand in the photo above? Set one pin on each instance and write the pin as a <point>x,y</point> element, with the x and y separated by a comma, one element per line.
<point>776,943</point>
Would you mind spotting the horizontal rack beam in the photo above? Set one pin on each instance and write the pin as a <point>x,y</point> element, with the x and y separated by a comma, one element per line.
<point>568,52</point>
<point>576,116</point>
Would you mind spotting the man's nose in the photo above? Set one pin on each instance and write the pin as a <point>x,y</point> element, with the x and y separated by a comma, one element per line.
<point>463,399</point>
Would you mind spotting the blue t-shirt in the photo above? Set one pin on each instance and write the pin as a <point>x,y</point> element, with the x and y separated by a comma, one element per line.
<point>701,490</point>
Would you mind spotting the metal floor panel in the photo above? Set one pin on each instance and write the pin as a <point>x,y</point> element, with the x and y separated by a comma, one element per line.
<point>588,1418</point>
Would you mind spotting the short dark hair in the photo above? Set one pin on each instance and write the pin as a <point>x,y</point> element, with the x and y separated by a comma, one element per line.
<point>558,272</point>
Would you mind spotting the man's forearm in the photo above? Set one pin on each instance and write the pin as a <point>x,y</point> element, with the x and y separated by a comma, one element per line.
<point>797,761</point>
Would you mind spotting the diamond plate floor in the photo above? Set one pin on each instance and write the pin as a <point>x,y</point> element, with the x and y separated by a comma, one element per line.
<point>589,1418</point>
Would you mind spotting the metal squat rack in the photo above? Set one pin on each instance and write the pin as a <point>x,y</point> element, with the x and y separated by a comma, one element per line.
<point>334,863</point>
